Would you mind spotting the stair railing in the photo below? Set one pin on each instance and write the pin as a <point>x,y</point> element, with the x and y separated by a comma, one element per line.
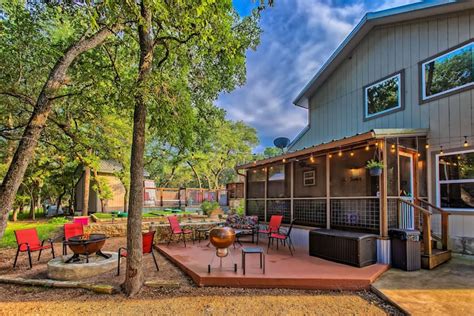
<point>427,247</point>
<point>444,220</point>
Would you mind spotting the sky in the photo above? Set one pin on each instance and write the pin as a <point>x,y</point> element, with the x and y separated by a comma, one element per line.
<point>298,37</point>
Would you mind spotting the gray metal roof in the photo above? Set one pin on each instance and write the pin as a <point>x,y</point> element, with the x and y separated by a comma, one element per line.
<point>367,23</point>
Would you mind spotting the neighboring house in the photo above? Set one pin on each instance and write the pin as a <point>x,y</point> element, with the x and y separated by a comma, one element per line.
<point>398,89</point>
<point>107,171</point>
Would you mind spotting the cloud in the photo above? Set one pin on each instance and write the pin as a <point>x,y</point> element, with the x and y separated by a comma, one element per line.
<point>299,36</point>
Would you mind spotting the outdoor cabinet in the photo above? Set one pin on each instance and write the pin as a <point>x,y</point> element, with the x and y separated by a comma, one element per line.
<point>356,249</point>
<point>406,253</point>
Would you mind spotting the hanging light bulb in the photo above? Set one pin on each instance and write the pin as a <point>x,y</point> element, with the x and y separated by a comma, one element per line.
<point>466,144</point>
<point>459,157</point>
<point>441,150</point>
<point>311,158</point>
<point>339,153</point>
<point>427,145</point>
<point>351,153</point>
<point>392,148</point>
<point>284,160</point>
<point>418,154</point>
<point>330,156</point>
<point>367,147</point>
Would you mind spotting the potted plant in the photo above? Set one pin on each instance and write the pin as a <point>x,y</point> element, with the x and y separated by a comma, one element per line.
<point>375,167</point>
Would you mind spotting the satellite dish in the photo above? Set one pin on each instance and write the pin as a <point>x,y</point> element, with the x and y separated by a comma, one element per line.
<point>281,142</point>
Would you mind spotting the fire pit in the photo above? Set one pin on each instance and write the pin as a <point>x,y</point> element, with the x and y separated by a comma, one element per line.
<point>86,245</point>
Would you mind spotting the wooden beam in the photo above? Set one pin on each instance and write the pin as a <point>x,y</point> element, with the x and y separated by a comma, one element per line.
<point>383,193</point>
<point>427,234</point>
<point>265,194</point>
<point>444,229</point>
<point>292,190</point>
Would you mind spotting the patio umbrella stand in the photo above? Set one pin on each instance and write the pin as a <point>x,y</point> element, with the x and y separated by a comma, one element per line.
<point>222,238</point>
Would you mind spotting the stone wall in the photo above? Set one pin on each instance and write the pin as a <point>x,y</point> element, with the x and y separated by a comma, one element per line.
<point>162,231</point>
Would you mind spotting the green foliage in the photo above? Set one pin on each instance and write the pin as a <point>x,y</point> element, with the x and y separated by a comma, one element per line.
<point>58,220</point>
<point>207,207</point>
<point>240,210</point>
<point>45,230</point>
<point>372,164</point>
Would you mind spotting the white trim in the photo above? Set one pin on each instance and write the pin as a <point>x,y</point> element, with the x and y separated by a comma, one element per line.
<point>423,83</point>
<point>399,106</point>
<point>439,182</point>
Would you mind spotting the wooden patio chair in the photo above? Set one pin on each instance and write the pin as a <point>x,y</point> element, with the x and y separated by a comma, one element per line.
<point>71,230</point>
<point>284,238</point>
<point>148,245</point>
<point>28,241</point>
<point>177,230</point>
<point>273,226</point>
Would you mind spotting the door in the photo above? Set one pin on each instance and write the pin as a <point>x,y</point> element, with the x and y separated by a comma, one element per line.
<point>406,190</point>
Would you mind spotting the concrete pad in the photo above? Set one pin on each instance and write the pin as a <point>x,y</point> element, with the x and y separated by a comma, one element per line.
<point>59,270</point>
<point>445,290</point>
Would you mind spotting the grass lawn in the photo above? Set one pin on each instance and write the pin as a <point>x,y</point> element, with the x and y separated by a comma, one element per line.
<point>45,230</point>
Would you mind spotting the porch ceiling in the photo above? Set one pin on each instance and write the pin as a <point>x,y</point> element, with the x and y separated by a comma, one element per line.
<point>372,135</point>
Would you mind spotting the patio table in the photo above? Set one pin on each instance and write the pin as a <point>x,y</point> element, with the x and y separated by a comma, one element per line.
<point>250,250</point>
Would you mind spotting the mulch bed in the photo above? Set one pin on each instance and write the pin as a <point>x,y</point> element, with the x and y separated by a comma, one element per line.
<point>169,272</point>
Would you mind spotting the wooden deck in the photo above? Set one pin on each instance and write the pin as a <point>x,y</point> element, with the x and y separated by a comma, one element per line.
<point>282,270</point>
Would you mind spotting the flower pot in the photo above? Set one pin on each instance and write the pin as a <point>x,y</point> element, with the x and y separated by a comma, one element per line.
<point>375,172</point>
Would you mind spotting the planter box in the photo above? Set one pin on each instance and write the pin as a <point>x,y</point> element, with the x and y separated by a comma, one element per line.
<point>356,249</point>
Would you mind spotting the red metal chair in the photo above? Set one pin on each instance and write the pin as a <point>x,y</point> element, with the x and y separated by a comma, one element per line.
<point>282,237</point>
<point>28,240</point>
<point>148,244</point>
<point>177,230</point>
<point>273,226</point>
<point>71,230</point>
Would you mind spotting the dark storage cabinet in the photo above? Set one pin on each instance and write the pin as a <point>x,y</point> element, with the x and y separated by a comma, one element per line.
<point>356,249</point>
<point>406,254</point>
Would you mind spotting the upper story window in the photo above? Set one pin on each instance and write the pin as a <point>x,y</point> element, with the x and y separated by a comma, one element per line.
<point>447,73</point>
<point>383,96</point>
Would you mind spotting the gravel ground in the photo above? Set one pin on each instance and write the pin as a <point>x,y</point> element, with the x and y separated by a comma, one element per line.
<point>185,300</point>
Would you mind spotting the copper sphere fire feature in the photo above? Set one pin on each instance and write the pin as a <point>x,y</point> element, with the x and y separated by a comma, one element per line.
<point>222,238</point>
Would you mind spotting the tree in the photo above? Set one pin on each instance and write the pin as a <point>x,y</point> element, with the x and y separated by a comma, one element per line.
<point>49,92</point>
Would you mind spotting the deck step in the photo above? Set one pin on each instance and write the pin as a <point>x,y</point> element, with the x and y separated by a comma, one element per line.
<point>436,258</point>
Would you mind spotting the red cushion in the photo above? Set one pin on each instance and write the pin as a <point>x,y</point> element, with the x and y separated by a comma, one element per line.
<point>34,247</point>
<point>267,231</point>
<point>187,231</point>
<point>278,236</point>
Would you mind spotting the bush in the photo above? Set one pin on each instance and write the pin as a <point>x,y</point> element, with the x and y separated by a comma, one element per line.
<point>240,210</point>
<point>207,207</point>
<point>58,220</point>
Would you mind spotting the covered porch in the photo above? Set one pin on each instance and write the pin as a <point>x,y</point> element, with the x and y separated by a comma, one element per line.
<point>329,186</point>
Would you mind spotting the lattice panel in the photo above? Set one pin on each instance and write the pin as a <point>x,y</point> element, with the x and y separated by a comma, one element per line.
<point>256,208</point>
<point>360,214</point>
<point>392,213</point>
<point>279,207</point>
<point>310,212</point>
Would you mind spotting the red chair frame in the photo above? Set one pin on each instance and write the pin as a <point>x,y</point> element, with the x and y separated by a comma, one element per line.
<point>148,245</point>
<point>285,238</point>
<point>273,226</point>
<point>177,230</point>
<point>28,241</point>
<point>71,230</point>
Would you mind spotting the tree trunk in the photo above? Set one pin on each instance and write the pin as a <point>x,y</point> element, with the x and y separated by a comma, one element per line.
<point>134,273</point>
<point>125,200</point>
<point>87,190</point>
<point>195,174</point>
<point>35,126</point>
<point>59,201</point>
<point>15,214</point>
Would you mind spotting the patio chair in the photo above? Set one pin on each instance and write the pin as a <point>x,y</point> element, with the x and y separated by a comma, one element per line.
<point>284,238</point>
<point>28,241</point>
<point>177,230</point>
<point>148,245</point>
<point>71,230</point>
<point>273,226</point>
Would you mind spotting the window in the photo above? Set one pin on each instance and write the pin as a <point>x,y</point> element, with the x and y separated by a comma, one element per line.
<point>383,97</point>
<point>447,73</point>
<point>309,178</point>
<point>455,180</point>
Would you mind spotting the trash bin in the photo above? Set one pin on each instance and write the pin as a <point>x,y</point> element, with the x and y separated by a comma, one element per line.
<point>406,254</point>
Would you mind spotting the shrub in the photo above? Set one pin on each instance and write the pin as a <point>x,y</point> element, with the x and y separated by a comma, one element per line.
<point>240,210</point>
<point>58,220</point>
<point>207,207</point>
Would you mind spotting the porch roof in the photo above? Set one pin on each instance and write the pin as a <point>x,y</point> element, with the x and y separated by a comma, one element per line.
<point>372,135</point>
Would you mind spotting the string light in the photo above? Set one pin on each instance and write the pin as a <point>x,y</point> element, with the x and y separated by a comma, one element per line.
<point>427,145</point>
<point>392,148</point>
<point>311,158</point>
<point>367,147</point>
<point>330,156</point>
<point>351,153</point>
<point>459,157</point>
<point>441,150</point>
<point>284,160</point>
<point>418,154</point>
<point>339,153</point>
<point>466,144</point>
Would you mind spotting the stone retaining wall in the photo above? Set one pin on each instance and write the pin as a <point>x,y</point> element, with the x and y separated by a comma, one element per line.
<point>162,231</point>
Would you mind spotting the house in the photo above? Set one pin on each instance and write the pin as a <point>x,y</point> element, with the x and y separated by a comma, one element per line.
<point>397,90</point>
